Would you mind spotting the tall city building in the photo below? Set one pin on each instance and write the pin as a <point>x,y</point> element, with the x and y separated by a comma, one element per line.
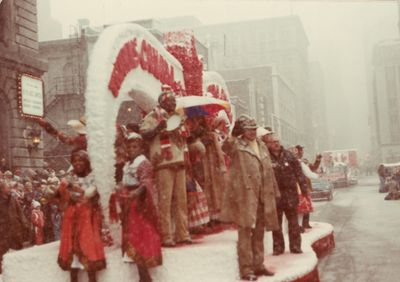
<point>318,108</point>
<point>271,99</point>
<point>280,41</point>
<point>48,27</point>
<point>386,100</point>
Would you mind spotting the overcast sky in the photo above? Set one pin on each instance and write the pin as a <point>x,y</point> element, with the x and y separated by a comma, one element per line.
<point>341,38</point>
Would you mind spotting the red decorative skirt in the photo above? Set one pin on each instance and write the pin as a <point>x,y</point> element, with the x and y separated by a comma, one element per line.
<point>80,236</point>
<point>143,239</point>
<point>197,207</point>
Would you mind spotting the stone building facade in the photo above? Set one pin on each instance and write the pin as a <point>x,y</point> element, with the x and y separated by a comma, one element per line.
<point>242,96</point>
<point>18,55</point>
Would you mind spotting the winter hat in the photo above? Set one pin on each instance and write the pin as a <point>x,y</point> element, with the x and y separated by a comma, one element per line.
<point>35,204</point>
<point>249,124</point>
<point>218,120</point>
<point>61,173</point>
<point>53,180</point>
<point>8,174</point>
<point>134,135</point>
<point>261,131</point>
<point>299,147</point>
<point>165,95</point>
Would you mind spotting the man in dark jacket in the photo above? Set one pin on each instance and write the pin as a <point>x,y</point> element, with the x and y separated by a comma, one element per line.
<point>13,224</point>
<point>288,175</point>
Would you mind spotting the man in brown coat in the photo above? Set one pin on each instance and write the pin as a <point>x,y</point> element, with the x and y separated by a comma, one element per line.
<point>249,200</point>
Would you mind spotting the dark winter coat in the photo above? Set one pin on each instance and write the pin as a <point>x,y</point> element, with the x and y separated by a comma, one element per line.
<point>251,181</point>
<point>288,174</point>
<point>13,224</point>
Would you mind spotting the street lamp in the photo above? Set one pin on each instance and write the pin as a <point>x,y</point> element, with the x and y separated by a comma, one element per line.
<point>33,139</point>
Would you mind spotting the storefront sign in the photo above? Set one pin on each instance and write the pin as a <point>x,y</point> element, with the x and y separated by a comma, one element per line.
<point>30,96</point>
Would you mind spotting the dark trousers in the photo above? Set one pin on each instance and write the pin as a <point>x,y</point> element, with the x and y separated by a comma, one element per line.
<point>294,231</point>
<point>306,220</point>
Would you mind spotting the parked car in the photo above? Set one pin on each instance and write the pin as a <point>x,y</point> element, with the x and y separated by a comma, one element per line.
<point>322,189</point>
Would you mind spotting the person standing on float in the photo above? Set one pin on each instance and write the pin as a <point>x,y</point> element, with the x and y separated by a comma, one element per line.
<point>250,198</point>
<point>311,169</point>
<point>289,176</point>
<point>167,154</point>
<point>81,246</point>
<point>141,242</point>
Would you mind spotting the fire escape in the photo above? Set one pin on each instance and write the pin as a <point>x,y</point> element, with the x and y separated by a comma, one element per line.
<point>63,88</point>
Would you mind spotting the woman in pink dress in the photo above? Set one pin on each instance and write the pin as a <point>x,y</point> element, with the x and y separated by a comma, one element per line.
<point>141,242</point>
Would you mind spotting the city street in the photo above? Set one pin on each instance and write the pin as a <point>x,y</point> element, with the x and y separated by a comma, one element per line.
<point>366,234</point>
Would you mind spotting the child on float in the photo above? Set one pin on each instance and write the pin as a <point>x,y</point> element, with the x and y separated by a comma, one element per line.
<point>81,246</point>
<point>141,241</point>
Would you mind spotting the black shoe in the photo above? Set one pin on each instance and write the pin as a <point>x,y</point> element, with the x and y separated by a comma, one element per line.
<point>263,272</point>
<point>249,277</point>
<point>302,229</point>
<point>296,251</point>
<point>277,252</point>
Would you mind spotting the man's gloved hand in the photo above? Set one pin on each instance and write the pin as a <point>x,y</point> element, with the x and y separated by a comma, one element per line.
<point>237,129</point>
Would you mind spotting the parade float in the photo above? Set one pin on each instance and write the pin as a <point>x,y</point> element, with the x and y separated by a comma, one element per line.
<point>128,63</point>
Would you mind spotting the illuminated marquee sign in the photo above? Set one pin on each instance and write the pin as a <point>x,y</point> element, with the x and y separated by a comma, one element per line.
<point>30,96</point>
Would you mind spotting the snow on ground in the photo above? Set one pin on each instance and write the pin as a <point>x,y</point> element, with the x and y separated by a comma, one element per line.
<point>211,258</point>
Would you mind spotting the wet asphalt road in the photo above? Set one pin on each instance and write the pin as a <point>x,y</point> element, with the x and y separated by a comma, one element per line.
<point>367,235</point>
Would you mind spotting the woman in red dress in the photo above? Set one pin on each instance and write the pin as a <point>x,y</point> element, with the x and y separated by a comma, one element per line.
<point>81,246</point>
<point>141,242</point>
